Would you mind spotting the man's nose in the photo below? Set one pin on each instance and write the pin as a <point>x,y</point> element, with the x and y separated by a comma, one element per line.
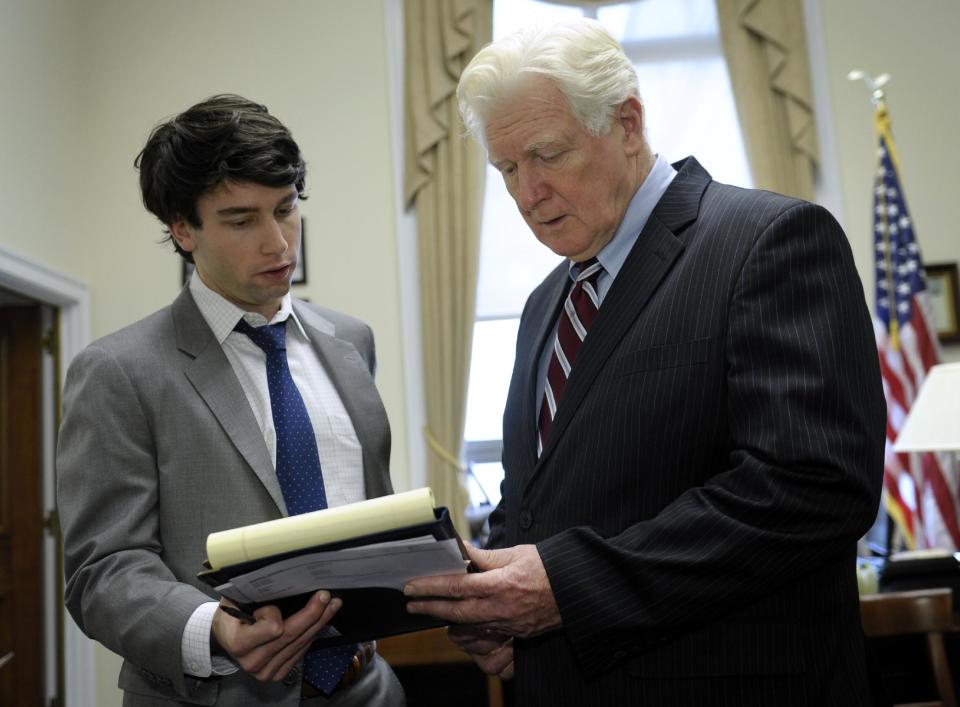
<point>274,238</point>
<point>531,188</point>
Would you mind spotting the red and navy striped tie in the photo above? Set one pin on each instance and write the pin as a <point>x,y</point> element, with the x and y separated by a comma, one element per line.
<point>579,310</point>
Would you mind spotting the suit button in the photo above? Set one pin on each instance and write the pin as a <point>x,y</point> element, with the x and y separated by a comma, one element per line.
<point>619,655</point>
<point>526,520</point>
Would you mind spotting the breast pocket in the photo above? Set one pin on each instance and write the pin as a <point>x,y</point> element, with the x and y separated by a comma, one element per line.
<point>684,353</point>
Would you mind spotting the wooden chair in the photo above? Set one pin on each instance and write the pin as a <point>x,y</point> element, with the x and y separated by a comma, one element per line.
<point>432,648</point>
<point>924,611</point>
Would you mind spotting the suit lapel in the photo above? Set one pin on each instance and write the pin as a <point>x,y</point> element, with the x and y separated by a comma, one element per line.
<point>656,249</point>
<point>352,379</point>
<point>213,378</point>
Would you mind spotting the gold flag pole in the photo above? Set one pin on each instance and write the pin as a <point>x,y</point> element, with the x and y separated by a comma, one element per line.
<point>874,84</point>
<point>900,530</point>
<point>881,123</point>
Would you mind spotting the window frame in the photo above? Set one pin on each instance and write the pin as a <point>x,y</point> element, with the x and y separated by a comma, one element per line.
<point>639,51</point>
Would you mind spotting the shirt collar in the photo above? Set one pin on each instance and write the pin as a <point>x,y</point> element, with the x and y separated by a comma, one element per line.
<point>222,315</point>
<point>614,254</point>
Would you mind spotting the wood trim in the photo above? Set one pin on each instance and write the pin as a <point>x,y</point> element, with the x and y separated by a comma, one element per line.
<point>72,300</point>
<point>432,647</point>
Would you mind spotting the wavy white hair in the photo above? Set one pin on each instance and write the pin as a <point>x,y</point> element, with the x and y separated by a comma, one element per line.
<point>579,56</point>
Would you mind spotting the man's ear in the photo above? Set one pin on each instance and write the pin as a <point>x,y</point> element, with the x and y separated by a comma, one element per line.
<point>182,233</point>
<point>631,119</point>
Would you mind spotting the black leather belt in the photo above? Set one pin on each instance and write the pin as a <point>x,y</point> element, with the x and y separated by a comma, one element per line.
<point>357,666</point>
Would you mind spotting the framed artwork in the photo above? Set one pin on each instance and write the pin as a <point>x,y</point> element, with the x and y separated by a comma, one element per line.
<point>943,286</point>
<point>300,272</point>
<point>186,270</point>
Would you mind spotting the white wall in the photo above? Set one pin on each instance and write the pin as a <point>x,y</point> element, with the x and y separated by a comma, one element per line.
<point>83,83</point>
<point>916,42</point>
<point>321,68</point>
<point>40,150</point>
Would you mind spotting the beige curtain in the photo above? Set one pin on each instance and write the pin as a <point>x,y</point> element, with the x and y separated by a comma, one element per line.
<point>444,181</point>
<point>766,50</point>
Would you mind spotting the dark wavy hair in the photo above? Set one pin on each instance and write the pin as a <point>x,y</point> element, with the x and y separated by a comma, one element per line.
<point>225,137</point>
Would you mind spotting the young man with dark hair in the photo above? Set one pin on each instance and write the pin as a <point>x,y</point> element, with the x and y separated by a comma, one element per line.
<point>234,405</point>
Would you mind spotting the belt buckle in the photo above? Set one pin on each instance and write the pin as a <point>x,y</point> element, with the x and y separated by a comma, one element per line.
<point>361,659</point>
<point>352,673</point>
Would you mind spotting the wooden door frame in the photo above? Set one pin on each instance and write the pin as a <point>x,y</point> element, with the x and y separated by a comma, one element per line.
<point>72,300</point>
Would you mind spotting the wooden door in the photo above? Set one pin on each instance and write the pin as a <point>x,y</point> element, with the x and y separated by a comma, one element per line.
<point>21,523</point>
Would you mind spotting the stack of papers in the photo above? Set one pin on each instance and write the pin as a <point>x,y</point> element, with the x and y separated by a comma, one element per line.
<point>364,553</point>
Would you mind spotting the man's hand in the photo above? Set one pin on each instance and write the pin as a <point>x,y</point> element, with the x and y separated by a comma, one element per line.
<point>269,648</point>
<point>510,596</point>
<point>492,651</point>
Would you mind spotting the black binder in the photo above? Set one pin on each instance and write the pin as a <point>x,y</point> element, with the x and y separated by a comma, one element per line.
<point>368,612</point>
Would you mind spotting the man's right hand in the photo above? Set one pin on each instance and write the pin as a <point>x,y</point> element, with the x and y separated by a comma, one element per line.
<point>270,647</point>
<point>490,650</point>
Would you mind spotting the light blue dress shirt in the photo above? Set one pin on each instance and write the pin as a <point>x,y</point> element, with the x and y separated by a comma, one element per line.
<point>614,254</point>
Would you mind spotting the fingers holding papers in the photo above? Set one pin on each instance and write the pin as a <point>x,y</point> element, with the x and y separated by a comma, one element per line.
<point>271,646</point>
<point>511,594</point>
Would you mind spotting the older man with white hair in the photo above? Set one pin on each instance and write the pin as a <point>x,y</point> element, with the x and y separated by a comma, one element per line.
<point>694,433</point>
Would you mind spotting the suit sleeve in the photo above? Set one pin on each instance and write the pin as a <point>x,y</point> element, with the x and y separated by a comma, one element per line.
<point>118,589</point>
<point>801,482</point>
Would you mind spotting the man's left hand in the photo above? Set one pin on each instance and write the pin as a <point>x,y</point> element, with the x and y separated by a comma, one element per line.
<point>511,595</point>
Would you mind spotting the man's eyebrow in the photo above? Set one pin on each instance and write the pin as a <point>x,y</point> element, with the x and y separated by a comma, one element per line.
<point>541,145</point>
<point>234,210</point>
<point>530,149</point>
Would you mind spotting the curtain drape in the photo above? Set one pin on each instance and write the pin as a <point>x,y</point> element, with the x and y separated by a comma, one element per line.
<point>443,181</point>
<point>765,46</point>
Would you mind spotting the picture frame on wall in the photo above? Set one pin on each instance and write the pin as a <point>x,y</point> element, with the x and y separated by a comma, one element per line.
<point>943,288</point>
<point>186,270</point>
<point>299,273</point>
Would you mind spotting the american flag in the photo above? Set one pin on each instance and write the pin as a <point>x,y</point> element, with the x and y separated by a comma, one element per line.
<point>920,489</point>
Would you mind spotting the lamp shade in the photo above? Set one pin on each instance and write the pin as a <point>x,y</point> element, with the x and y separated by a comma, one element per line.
<point>933,423</point>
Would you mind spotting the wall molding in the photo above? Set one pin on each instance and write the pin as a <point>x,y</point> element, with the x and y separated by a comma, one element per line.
<point>407,256</point>
<point>72,299</point>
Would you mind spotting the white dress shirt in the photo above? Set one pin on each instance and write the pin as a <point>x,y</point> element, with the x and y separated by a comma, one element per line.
<point>341,457</point>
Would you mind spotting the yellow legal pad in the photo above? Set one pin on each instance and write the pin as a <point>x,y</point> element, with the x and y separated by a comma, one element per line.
<point>331,525</point>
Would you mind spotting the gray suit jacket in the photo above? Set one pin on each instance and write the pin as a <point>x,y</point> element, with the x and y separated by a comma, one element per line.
<point>158,448</point>
<point>716,455</point>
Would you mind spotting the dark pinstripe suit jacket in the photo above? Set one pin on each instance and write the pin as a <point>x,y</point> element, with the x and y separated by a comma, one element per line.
<point>715,457</point>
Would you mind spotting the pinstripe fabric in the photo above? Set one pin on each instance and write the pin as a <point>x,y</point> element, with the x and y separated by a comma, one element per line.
<point>716,455</point>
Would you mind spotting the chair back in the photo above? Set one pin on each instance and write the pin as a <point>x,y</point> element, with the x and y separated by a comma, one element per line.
<point>924,611</point>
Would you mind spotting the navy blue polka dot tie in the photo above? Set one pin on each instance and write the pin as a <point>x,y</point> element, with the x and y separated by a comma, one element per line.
<point>298,471</point>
